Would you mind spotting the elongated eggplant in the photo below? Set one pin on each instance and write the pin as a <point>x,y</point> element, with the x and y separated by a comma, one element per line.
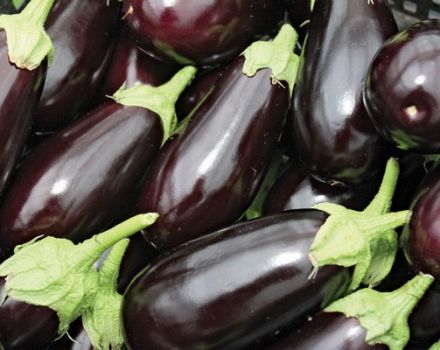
<point>360,326</point>
<point>83,33</point>
<point>38,307</point>
<point>207,174</point>
<point>200,32</point>
<point>421,237</point>
<point>84,178</point>
<point>232,287</point>
<point>401,93</point>
<point>297,189</point>
<point>130,65</point>
<point>333,134</point>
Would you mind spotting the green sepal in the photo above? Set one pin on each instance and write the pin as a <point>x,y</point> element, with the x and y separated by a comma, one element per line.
<point>365,239</point>
<point>276,55</point>
<point>160,99</point>
<point>384,316</point>
<point>28,42</point>
<point>435,346</point>
<point>102,320</point>
<point>58,274</point>
<point>256,208</point>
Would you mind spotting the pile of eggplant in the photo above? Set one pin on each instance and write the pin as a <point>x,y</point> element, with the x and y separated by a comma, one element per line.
<point>192,174</point>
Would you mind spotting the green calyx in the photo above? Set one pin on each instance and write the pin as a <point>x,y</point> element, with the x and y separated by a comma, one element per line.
<point>384,316</point>
<point>365,239</point>
<point>102,321</point>
<point>276,55</point>
<point>160,99</point>
<point>58,274</point>
<point>28,42</point>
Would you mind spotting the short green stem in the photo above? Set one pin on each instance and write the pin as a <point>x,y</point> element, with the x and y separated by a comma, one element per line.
<point>160,99</point>
<point>384,316</point>
<point>376,225</point>
<point>276,55</point>
<point>109,271</point>
<point>37,11</point>
<point>98,244</point>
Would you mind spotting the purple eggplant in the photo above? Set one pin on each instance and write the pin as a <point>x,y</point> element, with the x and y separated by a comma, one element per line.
<point>85,178</point>
<point>20,91</point>
<point>83,33</point>
<point>199,32</point>
<point>297,189</point>
<point>421,237</point>
<point>129,66</point>
<point>207,174</point>
<point>373,321</point>
<point>401,92</point>
<point>232,287</point>
<point>333,134</point>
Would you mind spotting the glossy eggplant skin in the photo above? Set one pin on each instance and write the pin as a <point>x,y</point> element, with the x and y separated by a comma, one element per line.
<point>424,321</point>
<point>421,238</point>
<point>333,134</point>
<point>297,189</point>
<point>200,32</point>
<point>20,91</point>
<point>328,331</point>
<point>205,177</point>
<point>401,93</point>
<point>232,287</point>
<point>82,179</point>
<point>24,326</point>
<point>194,94</point>
<point>77,29</point>
<point>130,65</point>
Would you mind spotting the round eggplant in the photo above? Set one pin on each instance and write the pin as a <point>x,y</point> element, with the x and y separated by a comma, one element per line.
<point>401,92</point>
<point>333,134</point>
<point>200,32</point>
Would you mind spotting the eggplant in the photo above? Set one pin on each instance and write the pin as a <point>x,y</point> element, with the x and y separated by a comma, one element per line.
<point>297,189</point>
<point>421,237</point>
<point>77,29</point>
<point>85,178</point>
<point>232,287</point>
<point>332,132</point>
<point>363,325</point>
<point>199,32</point>
<point>38,307</point>
<point>401,89</point>
<point>207,174</point>
<point>20,91</point>
<point>129,66</point>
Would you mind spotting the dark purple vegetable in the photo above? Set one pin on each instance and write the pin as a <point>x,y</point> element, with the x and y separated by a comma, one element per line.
<point>130,65</point>
<point>78,334</point>
<point>82,33</point>
<point>421,237</point>
<point>333,134</point>
<point>226,290</point>
<point>297,189</point>
<point>206,175</point>
<point>85,178</point>
<point>401,93</point>
<point>199,89</point>
<point>364,320</point>
<point>200,32</point>
<point>18,322</point>
<point>20,91</point>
